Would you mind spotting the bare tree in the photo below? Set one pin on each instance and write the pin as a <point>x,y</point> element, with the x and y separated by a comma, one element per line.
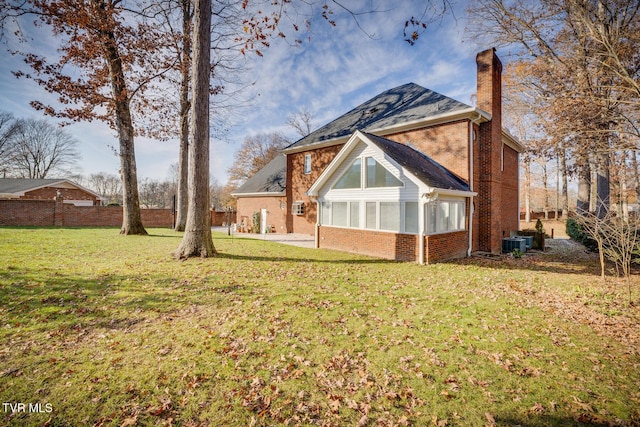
<point>40,150</point>
<point>107,185</point>
<point>301,122</point>
<point>8,127</point>
<point>254,154</point>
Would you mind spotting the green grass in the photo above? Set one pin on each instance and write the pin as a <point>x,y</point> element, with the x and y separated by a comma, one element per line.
<point>110,330</point>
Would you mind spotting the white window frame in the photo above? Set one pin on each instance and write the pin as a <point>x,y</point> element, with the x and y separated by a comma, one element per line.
<point>461,207</point>
<point>307,164</point>
<point>297,208</point>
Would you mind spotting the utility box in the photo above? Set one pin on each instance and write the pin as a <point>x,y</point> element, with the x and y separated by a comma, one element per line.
<point>509,244</point>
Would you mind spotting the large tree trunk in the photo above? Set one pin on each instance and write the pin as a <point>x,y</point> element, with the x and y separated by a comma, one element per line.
<point>584,188</point>
<point>603,188</point>
<point>565,194</point>
<point>197,239</point>
<point>183,156</point>
<point>131,217</point>
<point>527,187</point>
<point>636,174</point>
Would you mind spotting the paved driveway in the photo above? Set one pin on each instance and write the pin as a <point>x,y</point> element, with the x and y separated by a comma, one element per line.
<point>294,239</point>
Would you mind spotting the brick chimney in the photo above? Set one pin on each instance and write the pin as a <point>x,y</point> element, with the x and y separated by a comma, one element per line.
<point>489,199</point>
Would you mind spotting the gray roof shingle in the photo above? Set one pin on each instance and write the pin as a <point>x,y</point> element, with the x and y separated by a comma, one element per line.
<point>403,104</point>
<point>422,166</point>
<point>19,185</point>
<point>270,179</point>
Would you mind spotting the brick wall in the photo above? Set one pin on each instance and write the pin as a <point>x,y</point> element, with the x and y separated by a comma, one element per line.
<point>490,196</point>
<point>399,247</point>
<point>276,216</point>
<point>222,217</point>
<point>447,144</point>
<point>510,194</point>
<point>298,183</point>
<point>55,213</point>
<point>440,247</point>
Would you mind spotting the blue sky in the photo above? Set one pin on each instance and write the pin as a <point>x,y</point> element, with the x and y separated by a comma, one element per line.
<point>337,69</point>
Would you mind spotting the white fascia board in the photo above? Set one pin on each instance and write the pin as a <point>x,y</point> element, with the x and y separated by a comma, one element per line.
<point>511,141</point>
<point>264,194</point>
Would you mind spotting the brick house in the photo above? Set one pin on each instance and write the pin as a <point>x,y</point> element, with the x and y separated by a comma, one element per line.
<point>48,189</point>
<point>409,175</point>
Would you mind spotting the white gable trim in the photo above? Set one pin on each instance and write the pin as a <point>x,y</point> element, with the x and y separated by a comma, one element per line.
<point>351,144</point>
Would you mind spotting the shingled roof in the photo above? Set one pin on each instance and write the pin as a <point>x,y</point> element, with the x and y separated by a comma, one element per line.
<point>270,179</point>
<point>422,166</point>
<point>403,104</point>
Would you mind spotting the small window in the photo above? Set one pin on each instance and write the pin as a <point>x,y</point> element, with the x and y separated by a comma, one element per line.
<point>307,164</point>
<point>297,208</point>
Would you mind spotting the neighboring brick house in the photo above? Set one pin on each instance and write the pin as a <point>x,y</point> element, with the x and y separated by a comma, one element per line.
<point>48,189</point>
<point>409,175</point>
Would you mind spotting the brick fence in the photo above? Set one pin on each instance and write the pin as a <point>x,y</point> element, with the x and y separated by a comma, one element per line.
<point>57,213</point>
<point>17,212</point>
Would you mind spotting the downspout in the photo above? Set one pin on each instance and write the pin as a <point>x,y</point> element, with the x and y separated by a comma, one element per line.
<point>316,238</point>
<point>421,226</point>
<point>472,139</point>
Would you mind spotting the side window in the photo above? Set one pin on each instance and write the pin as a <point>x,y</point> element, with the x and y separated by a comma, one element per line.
<point>307,164</point>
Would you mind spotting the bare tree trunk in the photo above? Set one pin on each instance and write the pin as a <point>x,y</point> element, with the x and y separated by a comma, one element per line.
<point>593,185</point>
<point>584,186</point>
<point>527,187</point>
<point>131,217</point>
<point>636,174</point>
<point>603,198</point>
<point>565,193</point>
<point>545,186</point>
<point>623,197</point>
<point>197,239</point>
<point>183,156</point>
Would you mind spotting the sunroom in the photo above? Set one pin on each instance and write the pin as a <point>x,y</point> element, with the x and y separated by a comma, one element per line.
<point>385,199</point>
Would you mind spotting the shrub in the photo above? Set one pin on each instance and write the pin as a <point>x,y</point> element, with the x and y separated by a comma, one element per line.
<point>256,222</point>
<point>575,230</point>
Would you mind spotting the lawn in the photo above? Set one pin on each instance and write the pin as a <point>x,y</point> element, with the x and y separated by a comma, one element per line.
<point>106,330</point>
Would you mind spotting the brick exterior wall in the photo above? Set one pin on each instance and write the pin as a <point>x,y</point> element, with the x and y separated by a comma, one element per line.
<point>441,247</point>
<point>399,247</point>
<point>276,216</point>
<point>489,188</point>
<point>447,144</point>
<point>50,193</point>
<point>56,213</point>
<point>510,192</point>
<point>298,183</point>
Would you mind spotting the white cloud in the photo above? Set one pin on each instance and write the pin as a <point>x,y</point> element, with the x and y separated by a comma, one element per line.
<point>339,68</point>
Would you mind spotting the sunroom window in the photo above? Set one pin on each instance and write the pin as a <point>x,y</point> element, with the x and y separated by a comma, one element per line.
<point>445,216</point>
<point>351,178</point>
<point>379,176</point>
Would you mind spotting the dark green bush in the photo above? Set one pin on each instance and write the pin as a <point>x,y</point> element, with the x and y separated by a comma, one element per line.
<point>577,233</point>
